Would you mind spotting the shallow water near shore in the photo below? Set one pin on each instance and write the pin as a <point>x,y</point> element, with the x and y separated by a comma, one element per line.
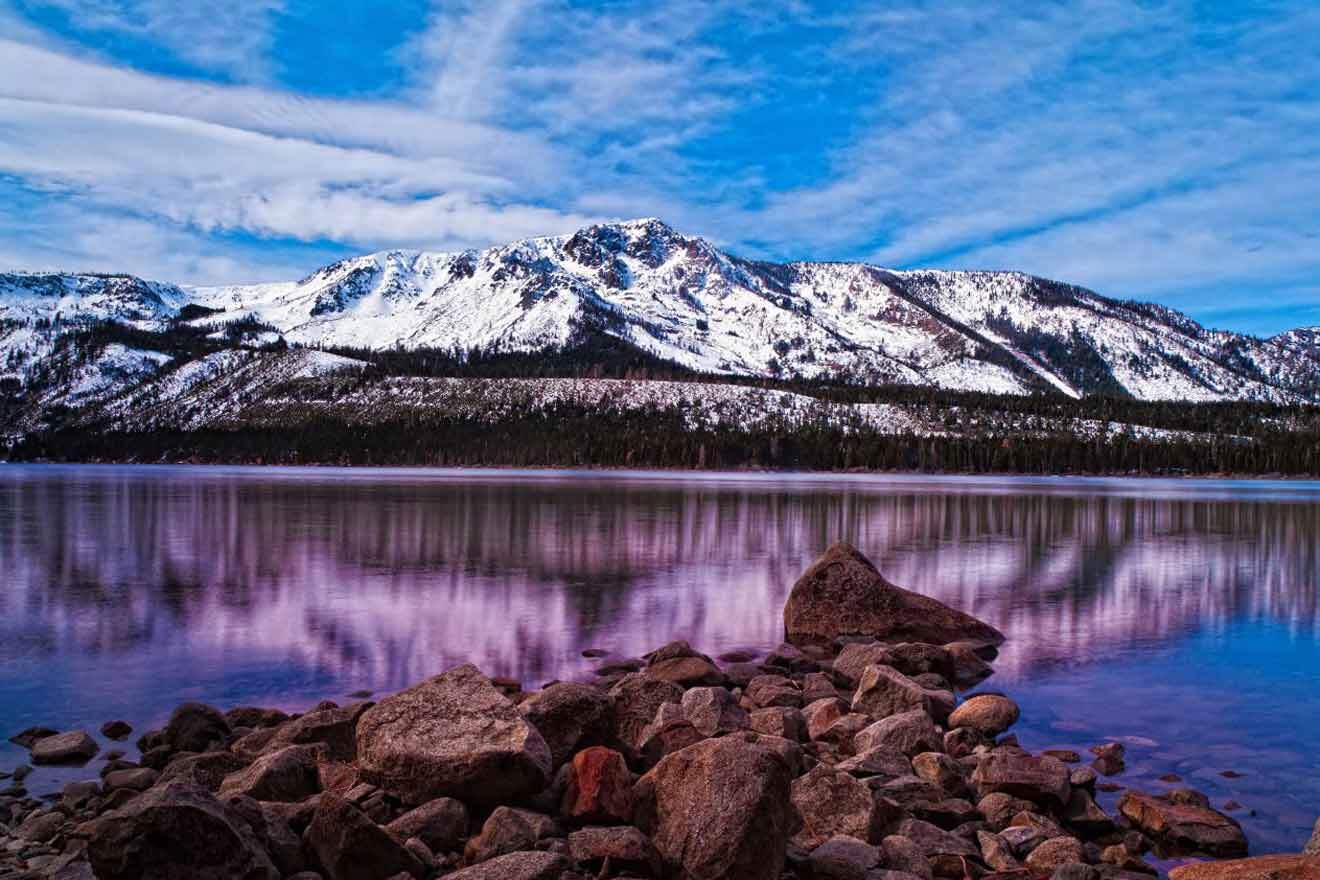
<point>1181,615</point>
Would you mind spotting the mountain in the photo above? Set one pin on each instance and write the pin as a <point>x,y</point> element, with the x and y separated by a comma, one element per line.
<point>676,297</point>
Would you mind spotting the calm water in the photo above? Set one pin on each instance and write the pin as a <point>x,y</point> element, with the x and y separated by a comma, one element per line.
<point>1180,613</point>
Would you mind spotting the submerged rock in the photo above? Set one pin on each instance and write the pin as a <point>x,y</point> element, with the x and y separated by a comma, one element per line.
<point>453,735</point>
<point>988,714</point>
<point>74,747</point>
<point>1193,827</point>
<point>1279,867</point>
<point>842,594</point>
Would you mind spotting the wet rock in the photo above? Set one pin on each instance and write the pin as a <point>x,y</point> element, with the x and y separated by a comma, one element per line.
<point>442,824</point>
<point>1055,853</point>
<point>345,844</point>
<point>720,808</point>
<point>1186,826</point>
<point>714,711</point>
<point>831,802</point>
<point>1277,867</point>
<point>1109,759</point>
<point>1067,756</point>
<point>135,779</point>
<point>782,721</point>
<point>176,830</point>
<point>74,747</point>
<point>843,858</point>
<point>599,788</point>
<point>569,717</point>
<point>908,732</point>
<point>884,691</point>
<point>29,737</point>
<point>116,729</point>
<point>287,775</point>
<point>625,849</point>
<point>1122,858</point>
<point>843,594</point>
<point>516,866</point>
<point>1039,780</point>
<point>208,770</point>
<point>636,699</point>
<point>507,830</point>
<point>989,714</point>
<point>453,735</point>
<point>196,727</point>
<point>1083,777</point>
<point>686,671</point>
<point>773,690</point>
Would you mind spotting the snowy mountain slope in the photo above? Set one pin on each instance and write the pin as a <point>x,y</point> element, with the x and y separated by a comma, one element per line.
<point>682,299</point>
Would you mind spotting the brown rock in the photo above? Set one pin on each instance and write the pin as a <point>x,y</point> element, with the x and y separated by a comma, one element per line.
<point>884,691</point>
<point>686,671</point>
<point>1084,816</point>
<point>901,854</point>
<point>176,830</point>
<point>832,802</point>
<point>780,721</point>
<point>941,770</point>
<point>1184,826</point>
<point>116,729</point>
<point>134,779</point>
<point>74,747</point>
<point>714,711</point>
<point>843,594</point>
<point>507,830</point>
<point>1280,867</point>
<point>334,726</point>
<point>1055,853</point>
<point>1313,845</point>
<point>442,824</point>
<point>909,732</point>
<point>570,717</point>
<point>453,735</point>
<point>28,738</point>
<point>720,808</point>
<point>843,858</point>
<point>599,788</point>
<point>346,845</point>
<point>962,741</point>
<point>996,852</point>
<point>881,761</point>
<point>969,667</point>
<point>516,866</point>
<point>989,714</point>
<point>196,727</point>
<point>999,809</point>
<point>624,848</point>
<point>946,852</point>
<point>636,700</point>
<point>255,717</point>
<point>1040,780</point>
<point>821,714</point>
<point>287,775</point>
<point>208,770</point>
<point>856,656</point>
<point>773,690</point>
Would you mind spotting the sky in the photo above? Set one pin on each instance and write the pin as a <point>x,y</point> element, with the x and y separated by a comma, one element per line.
<point>1165,151</point>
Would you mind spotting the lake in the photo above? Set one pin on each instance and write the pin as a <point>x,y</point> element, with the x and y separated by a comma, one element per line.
<point>1180,614</point>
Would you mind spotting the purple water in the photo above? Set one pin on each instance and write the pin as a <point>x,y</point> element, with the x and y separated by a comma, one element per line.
<point>1182,613</point>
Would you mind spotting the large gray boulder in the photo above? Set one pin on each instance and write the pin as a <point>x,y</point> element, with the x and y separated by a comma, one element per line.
<point>454,735</point>
<point>176,830</point>
<point>720,808</point>
<point>842,594</point>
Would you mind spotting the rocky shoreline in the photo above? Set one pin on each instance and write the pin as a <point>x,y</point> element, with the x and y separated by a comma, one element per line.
<point>845,754</point>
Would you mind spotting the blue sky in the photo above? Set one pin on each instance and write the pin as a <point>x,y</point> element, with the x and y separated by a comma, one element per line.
<point>1151,150</point>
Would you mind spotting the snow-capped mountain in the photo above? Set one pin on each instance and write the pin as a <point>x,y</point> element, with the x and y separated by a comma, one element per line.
<point>682,299</point>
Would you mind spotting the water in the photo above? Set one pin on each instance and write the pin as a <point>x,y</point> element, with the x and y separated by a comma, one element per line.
<point>1180,613</point>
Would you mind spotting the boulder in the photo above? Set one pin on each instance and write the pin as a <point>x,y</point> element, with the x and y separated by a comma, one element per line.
<point>133,779</point>
<point>454,735</point>
<point>969,667</point>
<point>947,852</point>
<point>287,775</point>
<point>599,790</point>
<point>516,866</point>
<point>720,808</point>
<point>686,671</point>
<point>1084,816</point>
<point>209,770</point>
<point>773,690</point>
<point>176,830</point>
<point>1278,867</point>
<point>988,714</point>
<point>999,809</point>
<point>569,717</point>
<point>334,726</point>
<point>856,656</point>
<point>196,727</point>
<point>779,721</point>
<point>255,717</point>
<point>714,711</point>
<point>831,802</point>
<point>74,747</point>
<point>441,824</point>
<point>41,827</point>
<point>1184,826</point>
<point>908,732</point>
<point>28,738</point>
<point>1042,781</point>
<point>1055,853</point>
<point>843,858</point>
<point>1313,845</point>
<point>672,651</point>
<point>507,830</point>
<point>901,854</point>
<point>666,739</point>
<point>884,691</point>
<point>636,700</point>
<point>116,729</point>
<point>345,844</point>
<point>941,770</point>
<point>882,761</point>
<point>625,848</point>
<point>842,594</point>
<point>821,715</point>
<point>996,852</point>
<point>818,686</point>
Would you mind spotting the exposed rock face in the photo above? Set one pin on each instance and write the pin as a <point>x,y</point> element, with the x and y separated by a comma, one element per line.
<point>1188,826</point>
<point>988,714</point>
<point>569,716</point>
<point>176,830</point>
<point>720,808</point>
<point>74,747</point>
<point>1040,780</point>
<point>287,775</point>
<point>441,824</point>
<point>832,802</point>
<point>346,845</point>
<point>1281,867</point>
<point>453,735</point>
<point>842,594</point>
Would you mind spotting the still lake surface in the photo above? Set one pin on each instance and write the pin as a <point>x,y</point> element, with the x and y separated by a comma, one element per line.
<point>1181,615</point>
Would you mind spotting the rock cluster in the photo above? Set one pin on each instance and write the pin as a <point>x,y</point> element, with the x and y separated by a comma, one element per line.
<point>845,756</point>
